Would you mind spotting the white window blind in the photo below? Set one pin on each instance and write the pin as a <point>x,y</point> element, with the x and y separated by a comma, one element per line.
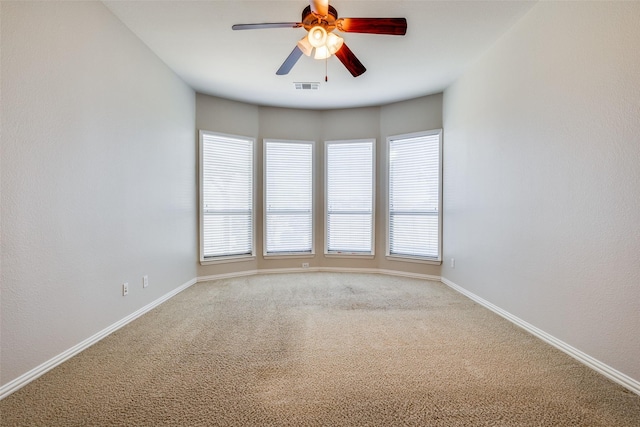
<point>227,195</point>
<point>414,195</point>
<point>288,175</point>
<point>349,193</point>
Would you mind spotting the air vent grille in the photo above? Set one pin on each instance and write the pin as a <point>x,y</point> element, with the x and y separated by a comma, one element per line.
<point>306,85</point>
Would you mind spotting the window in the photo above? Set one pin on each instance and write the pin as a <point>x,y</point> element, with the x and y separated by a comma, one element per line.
<point>226,185</point>
<point>349,197</point>
<point>414,195</point>
<point>288,188</point>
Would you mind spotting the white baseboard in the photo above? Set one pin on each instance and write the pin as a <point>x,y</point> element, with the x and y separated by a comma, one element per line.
<point>606,370</point>
<point>40,370</point>
<point>410,275</point>
<point>226,275</point>
<point>319,269</point>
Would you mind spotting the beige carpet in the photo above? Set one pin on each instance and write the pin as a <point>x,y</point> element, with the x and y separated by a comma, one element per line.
<point>321,349</point>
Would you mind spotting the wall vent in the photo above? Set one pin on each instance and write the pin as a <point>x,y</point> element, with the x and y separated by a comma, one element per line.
<point>306,85</point>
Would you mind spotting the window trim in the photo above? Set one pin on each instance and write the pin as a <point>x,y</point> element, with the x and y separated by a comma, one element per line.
<point>413,258</point>
<point>224,258</point>
<point>283,255</point>
<point>350,254</point>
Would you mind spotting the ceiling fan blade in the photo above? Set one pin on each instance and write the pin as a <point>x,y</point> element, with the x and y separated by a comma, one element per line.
<point>389,26</point>
<point>291,60</point>
<point>349,60</point>
<point>267,25</point>
<point>319,7</point>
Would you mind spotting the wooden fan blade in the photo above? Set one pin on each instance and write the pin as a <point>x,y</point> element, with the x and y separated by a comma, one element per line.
<point>389,26</point>
<point>267,25</point>
<point>291,60</point>
<point>319,7</point>
<point>350,61</point>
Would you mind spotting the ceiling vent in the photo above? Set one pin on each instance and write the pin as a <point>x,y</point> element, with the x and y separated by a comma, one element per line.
<point>306,86</point>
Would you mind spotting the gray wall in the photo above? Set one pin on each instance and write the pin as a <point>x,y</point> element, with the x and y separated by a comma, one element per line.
<point>232,117</point>
<point>98,175</point>
<point>542,177</point>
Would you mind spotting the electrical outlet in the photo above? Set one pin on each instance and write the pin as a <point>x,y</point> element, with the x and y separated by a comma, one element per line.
<point>125,289</point>
<point>453,263</point>
<point>145,281</point>
<point>305,265</point>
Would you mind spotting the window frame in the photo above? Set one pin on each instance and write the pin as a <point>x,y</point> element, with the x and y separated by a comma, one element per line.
<point>225,258</point>
<point>350,254</point>
<point>276,255</point>
<point>413,258</point>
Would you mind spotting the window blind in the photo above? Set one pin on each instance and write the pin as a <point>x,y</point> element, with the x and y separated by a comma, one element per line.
<point>349,197</point>
<point>414,196</point>
<point>288,197</point>
<point>227,195</point>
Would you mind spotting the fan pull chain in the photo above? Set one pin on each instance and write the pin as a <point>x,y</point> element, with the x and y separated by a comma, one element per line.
<point>326,67</point>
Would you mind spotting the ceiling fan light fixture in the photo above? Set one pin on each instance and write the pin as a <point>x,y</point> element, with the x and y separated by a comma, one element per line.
<point>322,52</point>
<point>317,36</point>
<point>305,46</point>
<point>334,43</point>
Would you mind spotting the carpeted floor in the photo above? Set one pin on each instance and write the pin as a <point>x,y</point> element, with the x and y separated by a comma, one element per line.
<point>321,349</point>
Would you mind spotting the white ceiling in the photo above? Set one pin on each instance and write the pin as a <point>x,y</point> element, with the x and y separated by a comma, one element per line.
<point>195,39</point>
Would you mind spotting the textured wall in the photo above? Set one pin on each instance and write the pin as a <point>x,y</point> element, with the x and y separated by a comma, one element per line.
<point>226,116</point>
<point>97,174</point>
<point>542,177</point>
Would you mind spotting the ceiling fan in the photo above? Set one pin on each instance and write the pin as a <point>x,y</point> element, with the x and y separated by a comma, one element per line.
<point>320,19</point>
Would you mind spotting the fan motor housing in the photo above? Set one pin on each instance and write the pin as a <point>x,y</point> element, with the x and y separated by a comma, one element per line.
<point>309,20</point>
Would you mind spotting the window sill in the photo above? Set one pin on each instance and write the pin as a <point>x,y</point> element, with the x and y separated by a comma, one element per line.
<point>413,259</point>
<point>227,259</point>
<point>289,255</point>
<point>349,255</point>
